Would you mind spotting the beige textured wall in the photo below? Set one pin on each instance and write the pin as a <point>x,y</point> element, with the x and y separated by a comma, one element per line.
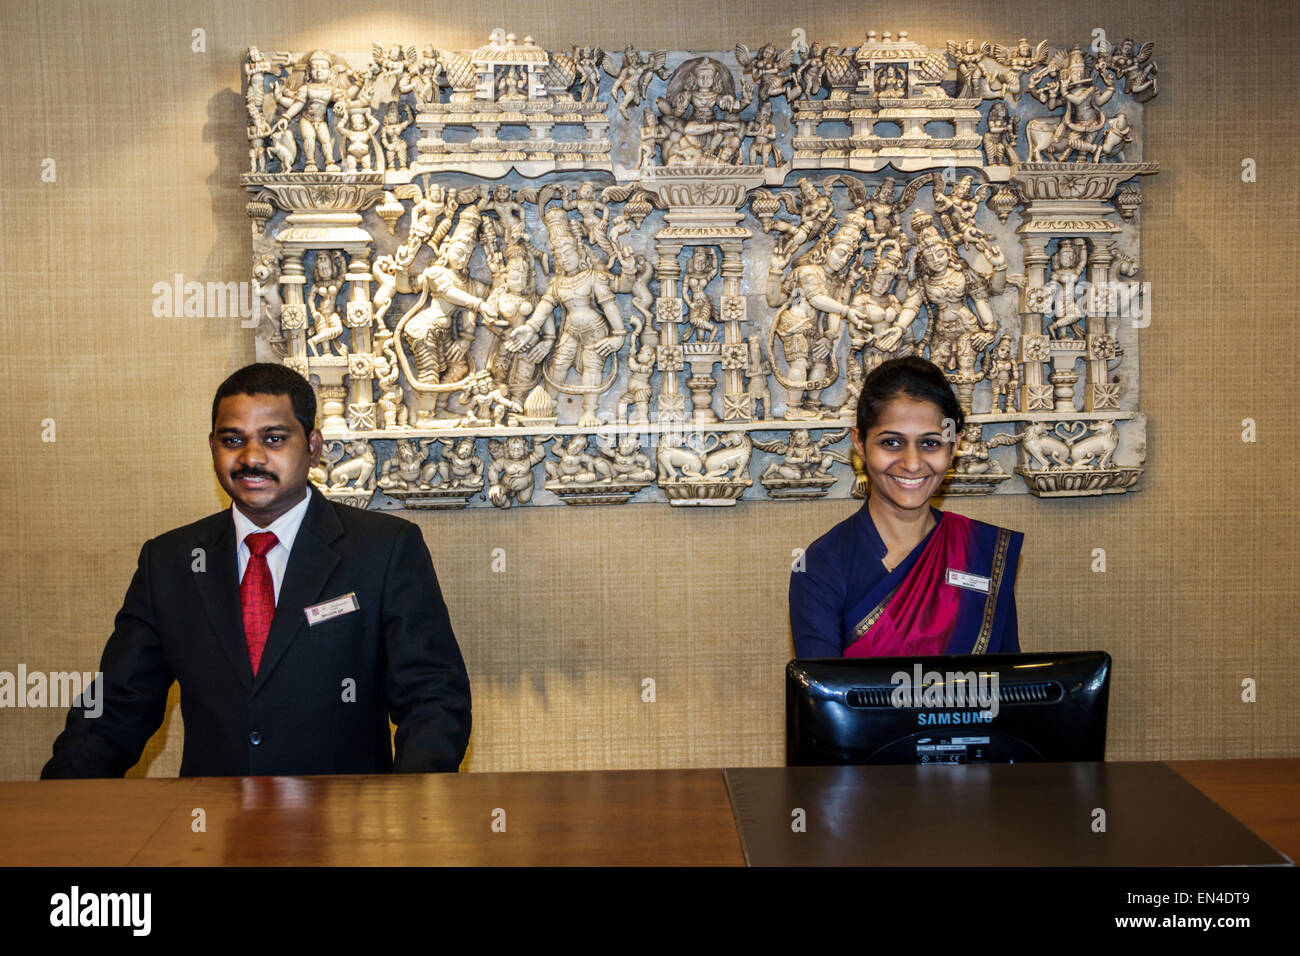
<point>148,141</point>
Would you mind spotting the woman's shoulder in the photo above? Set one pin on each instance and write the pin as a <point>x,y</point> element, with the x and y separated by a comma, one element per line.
<point>984,528</point>
<point>836,541</point>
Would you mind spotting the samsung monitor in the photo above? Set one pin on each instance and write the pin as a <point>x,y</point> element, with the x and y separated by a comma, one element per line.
<point>982,708</point>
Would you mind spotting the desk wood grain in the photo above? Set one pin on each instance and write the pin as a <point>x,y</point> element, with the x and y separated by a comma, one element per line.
<point>1264,794</point>
<point>596,818</point>
<point>84,822</point>
<point>602,818</point>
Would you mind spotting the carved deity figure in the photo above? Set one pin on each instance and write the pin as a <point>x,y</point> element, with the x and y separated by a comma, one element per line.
<point>652,134</point>
<point>886,209</point>
<point>1004,376</point>
<point>510,476</point>
<point>430,329</point>
<point>574,464</point>
<point>814,209</point>
<point>701,269</point>
<point>885,331</point>
<point>967,56</point>
<point>812,304</point>
<point>972,457</point>
<point>588,61</point>
<point>640,365</point>
<point>804,457</point>
<point>431,218</point>
<point>487,402</point>
<point>956,210</point>
<point>591,332</point>
<point>512,298</point>
<point>1068,267</point>
<point>810,75</point>
<point>362,152</point>
<point>702,114</point>
<point>1000,140</point>
<point>407,470</point>
<point>256,67</point>
<point>397,117</point>
<point>594,215</point>
<point>757,369</point>
<point>762,147</point>
<point>947,281</point>
<point>1135,65</point>
<point>512,86</point>
<point>627,461</point>
<point>314,99</point>
<point>393,412</point>
<point>322,300</point>
<point>424,80</point>
<point>1013,63</point>
<point>768,66</point>
<point>460,467</point>
<point>1078,129</point>
<point>634,77</point>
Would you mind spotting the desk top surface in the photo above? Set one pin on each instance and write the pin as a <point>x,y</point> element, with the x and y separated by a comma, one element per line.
<point>1025,814</point>
<point>597,818</point>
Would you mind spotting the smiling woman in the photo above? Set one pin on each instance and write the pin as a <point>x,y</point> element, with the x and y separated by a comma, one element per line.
<point>900,577</point>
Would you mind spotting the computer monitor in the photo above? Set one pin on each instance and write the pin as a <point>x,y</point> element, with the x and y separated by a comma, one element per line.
<point>980,708</point>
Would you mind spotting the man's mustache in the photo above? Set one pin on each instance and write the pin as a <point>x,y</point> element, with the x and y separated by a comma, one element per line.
<point>252,473</point>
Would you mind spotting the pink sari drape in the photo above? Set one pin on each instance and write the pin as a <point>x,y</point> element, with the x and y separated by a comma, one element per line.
<point>917,613</point>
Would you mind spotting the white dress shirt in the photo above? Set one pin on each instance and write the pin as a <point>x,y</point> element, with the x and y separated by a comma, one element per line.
<point>285,529</point>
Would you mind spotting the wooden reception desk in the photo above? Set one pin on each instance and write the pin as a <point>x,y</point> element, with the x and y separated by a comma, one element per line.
<point>601,818</point>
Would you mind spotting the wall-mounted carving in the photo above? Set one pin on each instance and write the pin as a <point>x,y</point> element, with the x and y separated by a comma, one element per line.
<point>529,275</point>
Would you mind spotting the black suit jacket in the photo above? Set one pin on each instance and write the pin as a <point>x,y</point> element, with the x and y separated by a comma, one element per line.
<point>323,693</point>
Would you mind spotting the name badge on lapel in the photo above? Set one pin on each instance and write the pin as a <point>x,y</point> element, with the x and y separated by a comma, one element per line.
<point>971,582</point>
<point>328,610</point>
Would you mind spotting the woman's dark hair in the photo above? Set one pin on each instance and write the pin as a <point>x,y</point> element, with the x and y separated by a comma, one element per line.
<point>914,377</point>
<point>268,378</point>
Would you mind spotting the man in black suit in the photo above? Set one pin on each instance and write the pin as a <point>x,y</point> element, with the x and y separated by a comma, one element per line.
<point>295,626</point>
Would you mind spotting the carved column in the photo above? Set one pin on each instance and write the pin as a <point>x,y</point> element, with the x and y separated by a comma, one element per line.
<point>671,403</point>
<point>359,317</point>
<point>293,310</point>
<point>1035,393</point>
<point>736,401</point>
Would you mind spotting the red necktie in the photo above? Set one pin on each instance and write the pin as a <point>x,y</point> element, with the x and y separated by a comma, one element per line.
<point>257,595</point>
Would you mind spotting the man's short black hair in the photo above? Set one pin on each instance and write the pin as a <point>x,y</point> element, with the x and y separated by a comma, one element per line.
<point>268,378</point>
<point>912,376</point>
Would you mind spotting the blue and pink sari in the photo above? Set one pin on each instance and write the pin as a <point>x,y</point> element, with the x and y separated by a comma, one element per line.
<point>954,594</point>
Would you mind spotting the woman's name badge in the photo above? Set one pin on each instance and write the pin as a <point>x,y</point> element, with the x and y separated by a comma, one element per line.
<point>326,610</point>
<point>971,582</point>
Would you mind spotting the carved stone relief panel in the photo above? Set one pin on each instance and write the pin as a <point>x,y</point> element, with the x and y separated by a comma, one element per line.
<point>525,274</point>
